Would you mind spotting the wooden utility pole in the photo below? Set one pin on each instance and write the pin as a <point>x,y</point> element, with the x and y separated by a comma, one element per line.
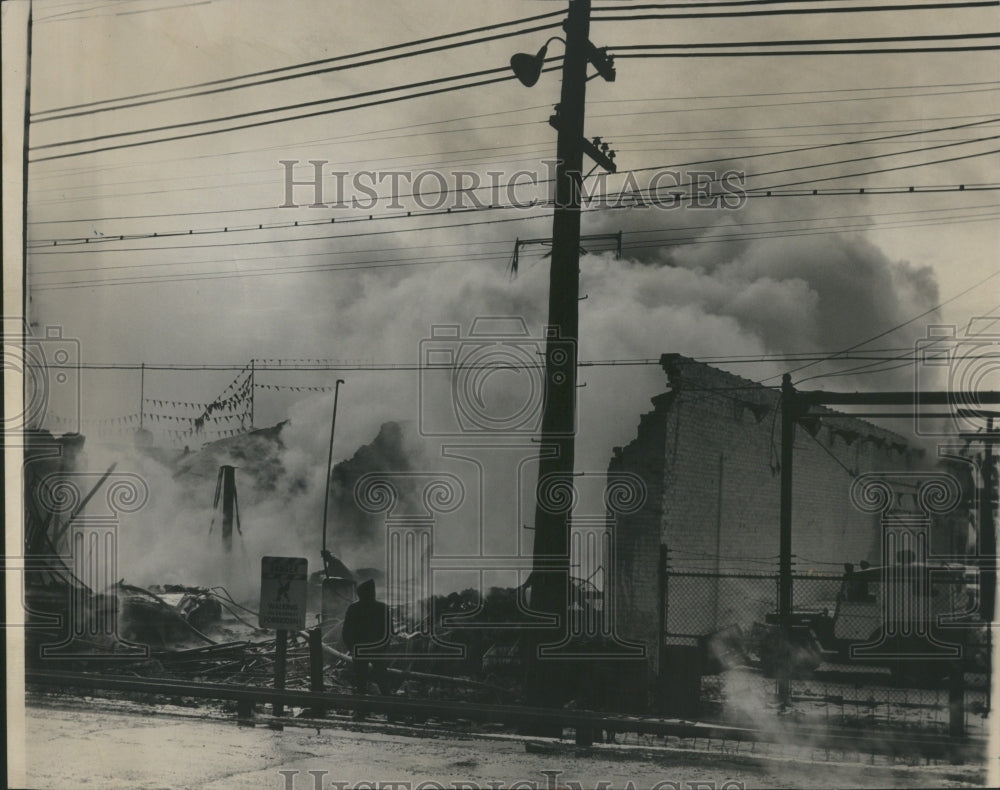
<point>550,579</point>
<point>559,415</point>
<point>987,528</point>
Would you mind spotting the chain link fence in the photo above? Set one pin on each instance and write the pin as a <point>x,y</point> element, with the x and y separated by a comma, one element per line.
<point>862,651</point>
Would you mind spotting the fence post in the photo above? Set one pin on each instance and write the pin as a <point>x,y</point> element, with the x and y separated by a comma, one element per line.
<point>316,666</point>
<point>661,629</point>
<point>281,647</point>
<point>956,699</point>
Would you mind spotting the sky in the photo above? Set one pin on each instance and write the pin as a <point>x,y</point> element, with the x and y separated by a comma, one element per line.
<point>777,275</point>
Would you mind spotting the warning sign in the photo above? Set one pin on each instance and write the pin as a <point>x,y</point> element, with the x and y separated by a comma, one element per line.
<point>283,592</point>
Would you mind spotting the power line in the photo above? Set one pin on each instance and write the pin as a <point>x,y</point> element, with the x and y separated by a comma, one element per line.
<point>679,196</point>
<point>618,16</point>
<point>880,366</point>
<point>800,93</point>
<point>812,52</point>
<point>736,3</point>
<point>886,169</point>
<point>190,232</point>
<point>269,110</point>
<point>461,258</point>
<point>301,116</point>
<point>506,243</point>
<point>283,78</point>
<point>308,365</point>
<point>320,62</point>
<point>425,83</point>
<point>367,136</point>
<point>759,105</point>
<point>667,240</point>
<point>800,149</point>
<point>806,42</point>
<point>701,131</point>
<point>889,331</point>
<point>690,227</point>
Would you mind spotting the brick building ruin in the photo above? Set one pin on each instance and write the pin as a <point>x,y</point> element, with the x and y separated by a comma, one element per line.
<point>708,454</point>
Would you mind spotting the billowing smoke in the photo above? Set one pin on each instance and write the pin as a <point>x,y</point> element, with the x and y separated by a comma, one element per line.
<point>176,537</point>
<point>746,297</point>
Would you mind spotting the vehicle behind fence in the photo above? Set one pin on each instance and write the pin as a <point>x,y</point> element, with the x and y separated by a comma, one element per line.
<point>864,648</point>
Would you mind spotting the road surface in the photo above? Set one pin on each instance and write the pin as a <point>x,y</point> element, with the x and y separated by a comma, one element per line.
<point>95,743</point>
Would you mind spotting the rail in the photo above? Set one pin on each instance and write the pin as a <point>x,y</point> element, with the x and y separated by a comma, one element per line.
<point>522,717</point>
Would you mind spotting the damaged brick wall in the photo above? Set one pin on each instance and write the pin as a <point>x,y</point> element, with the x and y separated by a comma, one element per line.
<point>709,455</point>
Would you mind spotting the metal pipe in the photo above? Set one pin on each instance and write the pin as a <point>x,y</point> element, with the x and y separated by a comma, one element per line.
<point>789,411</point>
<point>60,531</point>
<point>329,468</point>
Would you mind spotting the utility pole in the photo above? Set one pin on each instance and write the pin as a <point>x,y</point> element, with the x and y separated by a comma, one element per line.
<point>987,528</point>
<point>550,572</point>
<point>789,412</point>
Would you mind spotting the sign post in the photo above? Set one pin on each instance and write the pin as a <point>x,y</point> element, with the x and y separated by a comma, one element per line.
<point>282,606</point>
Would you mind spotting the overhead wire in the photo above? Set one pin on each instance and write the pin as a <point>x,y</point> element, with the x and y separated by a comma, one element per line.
<point>77,241</point>
<point>895,328</point>
<point>800,42</point>
<point>317,113</point>
<point>319,62</point>
<point>704,131</point>
<point>663,242</point>
<point>659,241</point>
<point>286,77</point>
<point>613,14</point>
<point>798,149</point>
<point>464,258</point>
<point>813,52</point>
<point>367,136</point>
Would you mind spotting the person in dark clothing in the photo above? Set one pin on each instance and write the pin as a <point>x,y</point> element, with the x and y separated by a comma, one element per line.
<point>366,625</point>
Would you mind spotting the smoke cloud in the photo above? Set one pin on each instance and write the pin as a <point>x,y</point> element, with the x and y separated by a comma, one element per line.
<point>749,297</point>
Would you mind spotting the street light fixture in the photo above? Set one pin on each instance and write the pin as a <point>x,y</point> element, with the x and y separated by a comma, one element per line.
<point>528,68</point>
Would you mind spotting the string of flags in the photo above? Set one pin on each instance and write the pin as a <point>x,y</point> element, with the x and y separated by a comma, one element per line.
<point>241,400</point>
<point>125,419</point>
<point>174,404</point>
<point>229,414</point>
<point>291,388</point>
<point>159,416</point>
<point>304,361</point>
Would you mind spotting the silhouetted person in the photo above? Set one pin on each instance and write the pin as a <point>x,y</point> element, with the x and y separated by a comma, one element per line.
<point>366,624</point>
